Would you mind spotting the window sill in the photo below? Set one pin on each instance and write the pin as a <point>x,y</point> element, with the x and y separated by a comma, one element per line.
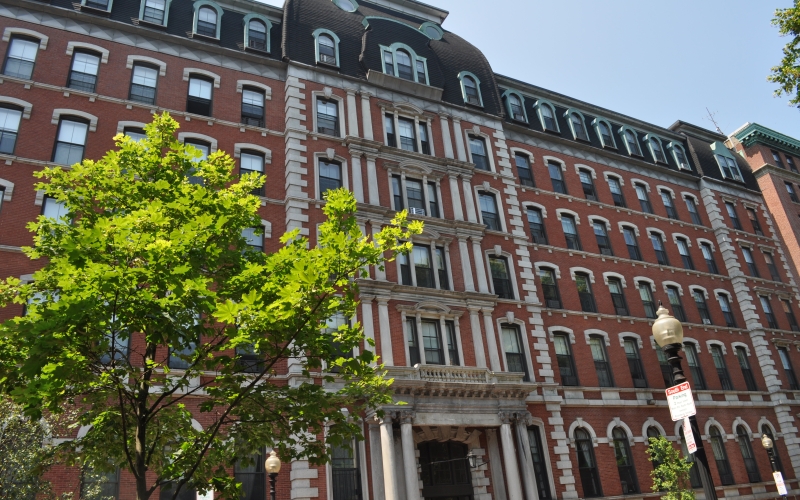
<point>554,132</point>
<point>253,50</point>
<point>328,65</point>
<point>406,86</point>
<point>198,36</point>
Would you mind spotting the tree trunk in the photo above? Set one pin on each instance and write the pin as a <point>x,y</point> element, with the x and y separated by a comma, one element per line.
<point>140,439</point>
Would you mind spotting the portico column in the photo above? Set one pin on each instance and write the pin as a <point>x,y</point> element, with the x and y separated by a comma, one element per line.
<point>376,459</point>
<point>387,450</point>
<point>509,457</point>
<point>491,341</point>
<point>525,458</point>
<point>409,456</point>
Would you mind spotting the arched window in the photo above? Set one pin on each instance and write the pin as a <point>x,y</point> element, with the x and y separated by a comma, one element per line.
<point>653,433</point>
<point>327,49</point>
<point>657,150</point>
<point>207,22</point>
<point>548,118</point>
<point>471,91</point>
<point>750,463</point>
<point>404,68</point>
<point>515,108</point>
<point>632,142</point>
<point>400,61</point>
<point>587,465</point>
<point>257,35</point>
<point>721,457</point>
<point>627,472</point>
<point>578,126</point>
<point>604,131</point>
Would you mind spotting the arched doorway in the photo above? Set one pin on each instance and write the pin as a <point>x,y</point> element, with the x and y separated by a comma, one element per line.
<point>445,471</point>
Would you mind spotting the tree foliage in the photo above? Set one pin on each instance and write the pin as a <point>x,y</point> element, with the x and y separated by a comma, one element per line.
<point>670,470</point>
<point>787,74</point>
<point>149,301</point>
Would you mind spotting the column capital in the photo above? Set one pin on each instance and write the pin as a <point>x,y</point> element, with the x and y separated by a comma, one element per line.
<point>366,299</point>
<point>382,300</point>
<point>406,417</point>
<point>365,94</point>
<point>350,91</point>
<point>388,418</point>
<point>476,239</point>
<point>371,157</point>
<point>474,309</point>
<point>445,116</point>
<point>487,311</point>
<point>456,119</point>
<point>505,417</point>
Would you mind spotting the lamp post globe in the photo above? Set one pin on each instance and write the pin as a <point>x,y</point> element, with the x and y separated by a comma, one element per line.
<point>667,329</point>
<point>766,442</point>
<point>272,466</point>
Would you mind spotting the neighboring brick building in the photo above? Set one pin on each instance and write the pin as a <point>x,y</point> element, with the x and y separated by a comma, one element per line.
<point>519,329</point>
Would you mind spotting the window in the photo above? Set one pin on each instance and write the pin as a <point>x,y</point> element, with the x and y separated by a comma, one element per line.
<point>578,127</point>
<point>21,57</point>
<point>536,226</point>
<point>635,362</point>
<point>765,305</point>
<point>252,107</point>
<point>257,35</point>
<point>252,162</point>
<point>606,137</point>
<point>702,307</point>
<point>632,142</point>
<point>566,363</point>
<point>587,184</point>
<point>539,465</point>
<point>646,294</point>
<point>751,214</point>
<point>557,177</point>
<point>83,72</point>
<point>106,484</point>
<point>413,348</point>
<point>727,312</point>
<point>721,457</point>
<point>471,95</point>
<point>501,278</point>
<point>250,473</point>
<point>722,368</point>
<point>631,243</point>
<point>248,360</point>
<point>9,127</point>
<point>733,216</point>
<point>204,149</point>
<point>432,342</point>
<point>666,197</point>
<point>441,268</point>
<point>680,157</point>
<point>644,200</point>
<point>601,364</point>
<point>424,142</point>
<point>199,99</point>
<point>433,200</point>
<point>653,433</point>
<point>686,257</point>
<point>675,301</point>
<point>729,167</point>
<point>570,232</point>
<point>585,293</point>
<point>182,359</point>
<point>625,467</point>
<point>330,176</point>
<point>524,169</point>
<point>550,288</point>
<point>135,133</point>
<point>327,117</point>
<point>587,465</point>
<point>408,139</point>
<point>694,366</point>
<point>657,150</point>
<point>790,161</point>
<point>747,373</point>
<point>207,22</point>
<point>254,237</point>
<point>143,84</point>
<point>787,308</point>
<point>444,469</point>
<point>601,234</point>
<point>751,265</point>
<point>666,368</point>
<point>515,108</point>
<point>404,66</point>
<point>773,269</point>
<point>54,209</point>
<point>616,192</point>
<point>345,478</point>
<point>423,266</point>
<point>327,49</point>
<point>618,297</point>
<point>452,343</point>
<point>154,11</point>
<point>405,270</point>
<point>515,351</point>
<point>792,194</point>
<point>186,493</point>
<point>71,141</point>
<point>658,246</point>
<point>548,116</point>
<point>391,137</point>
<point>708,256</point>
<point>777,157</point>
<point>783,352</point>
<point>692,207</point>
<point>489,211</point>
<point>477,147</point>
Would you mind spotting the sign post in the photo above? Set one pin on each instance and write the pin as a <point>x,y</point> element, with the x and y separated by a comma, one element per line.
<point>681,402</point>
<point>779,482</point>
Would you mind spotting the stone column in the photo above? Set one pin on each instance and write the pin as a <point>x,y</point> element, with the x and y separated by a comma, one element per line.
<point>376,460</point>
<point>469,201</point>
<point>462,153</point>
<point>409,456</point>
<point>448,144</point>
<point>352,114</point>
<point>510,458</point>
<point>372,181</point>
<point>525,459</point>
<point>496,465</point>
<point>455,197</point>
<point>366,319</point>
<point>491,341</point>
<point>477,337</point>
<point>380,274</point>
<point>480,268</point>
<point>387,450</point>
<point>358,185</point>
<point>466,269</point>
<point>386,335</point>
<point>366,116</point>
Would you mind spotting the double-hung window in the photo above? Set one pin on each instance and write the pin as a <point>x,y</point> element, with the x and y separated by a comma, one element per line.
<point>777,157</point>
<point>207,22</point>
<point>9,128</point>
<point>424,141</point>
<point>489,212</point>
<point>633,142</point>
<point>772,322</point>
<point>722,368</point>
<point>536,226</point>
<point>154,11</point>
<point>730,169</point>
<point>330,176</point>
<point>21,57</point>
<point>680,158</point>
<point>578,126</point>
<point>477,147</point>
<point>257,35</point>
<point>327,49</point>
<point>606,136</point>
<point>83,72</point>
<point>253,107</point>
<point>630,241</point>
<point>523,163</point>
<point>441,269</point>
<point>751,264</point>
<point>702,306</point>
<point>686,257</point>
<point>570,232</point>
<point>585,293</point>
<point>601,364</point>
<point>501,277</point>
<point>790,161</point>
<point>694,366</point>
<point>691,206</point>
<point>252,162</point>
<point>391,136</point>
<point>675,301</point>
<point>635,362</point>
<point>432,345</point>
<point>254,237</point>
<point>405,69</point>
<point>433,200</point>
<point>549,123</point>
<point>327,117</point>
<point>408,139</point>
<point>750,464</point>
<point>783,352</point>
<point>624,458</point>
<point>557,177</point>
<point>550,288</point>
<point>71,141</point>
<point>415,196</point>
<point>601,234</point>
<point>733,216</point>
<point>646,293</point>
<point>721,457</point>
<point>423,266</point>
<point>790,317</point>
<point>751,214</point>
<point>669,206</point>
<point>143,84</point>
<point>644,200</point>
<point>515,351</point>
<point>773,269</point>
<point>618,297</point>
<point>727,312</point>
<point>747,372</point>
<point>658,246</point>
<point>201,91</point>
<point>658,150</point>
<point>588,184</point>
<point>566,363</point>
<point>587,464</point>
<point>616,192</point>
<point>708,256</point>
<point>792,193</point>
<point>515,105</point>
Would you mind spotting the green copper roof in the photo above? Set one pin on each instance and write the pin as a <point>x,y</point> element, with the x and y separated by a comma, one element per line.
<point>754,133</point>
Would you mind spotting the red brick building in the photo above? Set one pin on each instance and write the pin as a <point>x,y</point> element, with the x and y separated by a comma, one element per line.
<point>519,328</point>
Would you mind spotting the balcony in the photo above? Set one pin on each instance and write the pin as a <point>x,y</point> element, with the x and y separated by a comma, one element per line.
<point>457,381</point>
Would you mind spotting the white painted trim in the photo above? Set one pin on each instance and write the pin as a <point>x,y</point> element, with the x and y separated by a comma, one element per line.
<point>677,285</point>
<point>182,136</point>
<point>611,274</point>
<point>25,105</point>
<point>573,270</point>
<point>530,204</point>
<point>624,335</point>
<point>553,330</point>
<point>618,177</point>
<point>58,113</point>
<point>702,289</point>
<point>719,343</point>
<point>746,347</point>
<point>11,31</point>
<point>594,331</point>
<point>637,279</point>
<point>623,224</point>
<point>240,84</point>
<point>579,422</point>
<point>560,211</point>
<point>133,59</point>
<point>239,146</point>
<point>187,72</point>
<point>122,125</point>
<point>71,46</point>
<point>617,422</point>
<point>8,189</point>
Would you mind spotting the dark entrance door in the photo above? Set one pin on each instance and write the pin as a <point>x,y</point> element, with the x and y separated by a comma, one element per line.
<point>445,471</point>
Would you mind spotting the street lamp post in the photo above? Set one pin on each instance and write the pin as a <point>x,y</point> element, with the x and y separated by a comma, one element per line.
<point>668,333</point>
<point>273,466</point>
<point>768,445</point>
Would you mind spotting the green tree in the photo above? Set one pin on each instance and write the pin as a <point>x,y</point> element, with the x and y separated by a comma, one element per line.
<point>787,74</point>
<point>670,470</point>
<point>149,272</point>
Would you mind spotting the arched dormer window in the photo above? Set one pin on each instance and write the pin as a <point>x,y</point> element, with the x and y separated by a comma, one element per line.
<point>207,17</point>
<point>547,116</point>
<point>727,162</point>
<point>603,130</point>
<point>679,155</point>
<point>257,30</point>
<point>515,105</point>
<point>327,47</point>
<point>578,125</point>
<point>631,140</point>
<point>656,148</point>
<point>470,88</point>
<point>401,61</point>
<point>154,11</point>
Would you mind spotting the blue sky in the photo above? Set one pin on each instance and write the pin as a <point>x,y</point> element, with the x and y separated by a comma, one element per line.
<point>656,61</point>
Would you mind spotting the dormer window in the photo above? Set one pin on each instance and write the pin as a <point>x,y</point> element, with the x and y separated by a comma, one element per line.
<point>470,88</point>
<point>207,22</point>
<point>632,142</point>
<point>400,61</point>
<point>257,35</point>
<point>404,70</point>
<point>729,167</point>
<point>547,116</point>
<point>103,5</point>
<point>680,156</point>
<point>657,150</point>
<point>327,50</point>
<point>603,130</point>
<point>578,126</point>
<point>346,5</point>
<point>515,108</point>
<point>154,11</point>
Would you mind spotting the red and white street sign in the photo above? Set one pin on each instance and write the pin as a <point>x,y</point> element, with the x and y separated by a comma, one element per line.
<point>688,435</point>
<point>681,402</point>
<point>779,483</point>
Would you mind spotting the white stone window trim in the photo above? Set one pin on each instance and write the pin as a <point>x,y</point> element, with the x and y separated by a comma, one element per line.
<point>38,199</point>
<point>327,94</point>
<point>762,422</point>
<point>610,274</point>
<point>701,289</point>
<point>8,189</point>
<point>487,140</point>
<point>511,269</point>
<point>183,136</point>
<point>516,150</point>
<point>408,112</point>
<point>574,215</point>
<point>498,199</point>
<point>651,230</point>
<point>739,421</point>
<point>240,146</point>
<point>547,159</point>
<point>685,195</point>
<point>720,291</point>
<point>646,185</point>
<point>580,166</point>
<point>554,267</point>
<point>509,319</point>
<point>681,236</point>
<point>671,191</point>
<point>573,270</point>
<point>133,59</point>
<point>640,279</point>
<point>240,84</point>
<point>694,342</point>
<point>744,346</point>
<point>71,46</point>
<point>617,422</point>
<point>444,314</point>
<point>267,225</point>
<point>746,244</point>
<point>25,105</point>
<point>580,423</point>
<point>701,241</point>
<point>552,331</point>
<point>651,422</point>
<point>618,177</point>
<point>530,204</point>
<point>666,284</point>
<point>122,125</point>
<point>622,225</point>
<point>630,335</point>
<point>11,31</point>
<point>188,72</point>
<point>330,155</point>
<point>597,218</point>
<point>59,113</point>
<point>587,334</point>
<point>718,343</point>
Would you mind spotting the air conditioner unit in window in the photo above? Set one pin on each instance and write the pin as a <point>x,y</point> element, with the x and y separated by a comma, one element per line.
<point>327,59</point>
<point>706,321</point>
<point>416,211</point>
